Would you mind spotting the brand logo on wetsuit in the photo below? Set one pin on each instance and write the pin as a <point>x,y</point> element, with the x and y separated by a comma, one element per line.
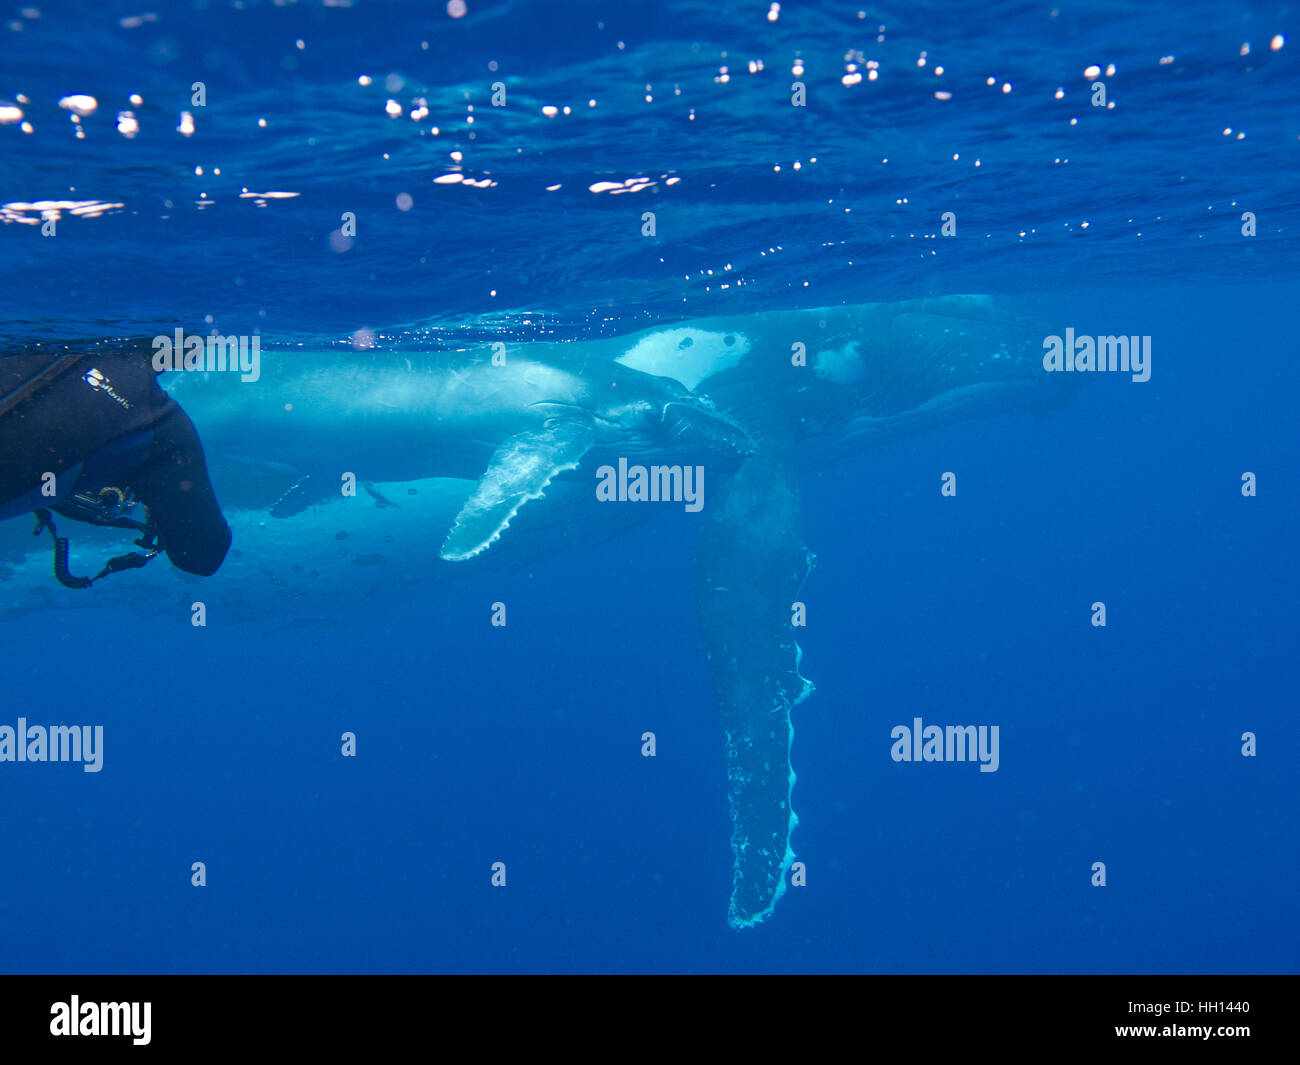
<point>100,383</point>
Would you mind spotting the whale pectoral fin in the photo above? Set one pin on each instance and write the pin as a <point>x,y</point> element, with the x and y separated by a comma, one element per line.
<point>752,564</point>
<point>313,489</point>
<point>521,468</point>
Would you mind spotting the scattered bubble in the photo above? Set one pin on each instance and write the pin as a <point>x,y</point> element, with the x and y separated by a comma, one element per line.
<point>79,104</point>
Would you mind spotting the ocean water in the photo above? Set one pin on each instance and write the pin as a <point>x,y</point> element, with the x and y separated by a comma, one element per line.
<point>331,191</point>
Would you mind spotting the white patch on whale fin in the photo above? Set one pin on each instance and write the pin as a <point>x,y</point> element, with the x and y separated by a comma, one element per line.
<point>521,468</point>
<point>686,354</point>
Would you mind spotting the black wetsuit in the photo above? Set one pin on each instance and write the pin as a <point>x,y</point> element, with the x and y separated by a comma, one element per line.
<point>101,419</point>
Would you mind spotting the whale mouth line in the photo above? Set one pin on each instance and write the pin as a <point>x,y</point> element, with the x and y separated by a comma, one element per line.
<point>546,404</point>
<point>694,419</point>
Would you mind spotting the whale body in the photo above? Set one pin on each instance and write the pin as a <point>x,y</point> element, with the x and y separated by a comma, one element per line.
<point>513,420</point>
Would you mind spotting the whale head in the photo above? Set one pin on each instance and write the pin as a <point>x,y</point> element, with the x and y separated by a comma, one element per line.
<point>696,423</point>
<point>885,369</point>
<point>660,415</point>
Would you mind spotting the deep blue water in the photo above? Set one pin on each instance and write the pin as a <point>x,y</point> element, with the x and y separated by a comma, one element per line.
<point>1120,745</point>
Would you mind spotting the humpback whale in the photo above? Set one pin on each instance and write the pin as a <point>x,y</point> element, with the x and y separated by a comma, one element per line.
<point>756,397</point>
<point>513,420</point>
<point>810,384</point>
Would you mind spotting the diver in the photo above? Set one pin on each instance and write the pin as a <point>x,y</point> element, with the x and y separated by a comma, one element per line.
<point>86,432</point>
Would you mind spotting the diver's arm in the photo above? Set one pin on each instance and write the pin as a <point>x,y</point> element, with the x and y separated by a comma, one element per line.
<point>174,484</point>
